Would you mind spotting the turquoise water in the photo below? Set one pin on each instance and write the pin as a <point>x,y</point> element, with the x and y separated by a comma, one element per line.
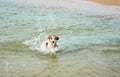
<point>90,43</point>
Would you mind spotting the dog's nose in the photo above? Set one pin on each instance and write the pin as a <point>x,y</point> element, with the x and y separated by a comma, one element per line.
<point>53,41</point>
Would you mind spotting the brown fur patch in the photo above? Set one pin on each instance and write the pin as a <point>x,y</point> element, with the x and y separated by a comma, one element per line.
<point>46,44</point>
<point>56,37</point>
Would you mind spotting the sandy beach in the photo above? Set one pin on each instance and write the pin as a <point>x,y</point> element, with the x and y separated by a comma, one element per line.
<point>108,2</point>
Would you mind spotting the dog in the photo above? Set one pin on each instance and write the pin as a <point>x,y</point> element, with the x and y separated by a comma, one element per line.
<point>50,46</point>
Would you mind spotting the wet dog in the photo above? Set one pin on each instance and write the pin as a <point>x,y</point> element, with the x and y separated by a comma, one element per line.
<point>50,46</point>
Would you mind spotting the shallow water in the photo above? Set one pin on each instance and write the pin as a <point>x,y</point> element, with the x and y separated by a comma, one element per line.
<point>90,43</point>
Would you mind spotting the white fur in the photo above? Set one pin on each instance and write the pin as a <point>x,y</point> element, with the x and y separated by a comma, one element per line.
<point>48,49</point>
<point>51,46</point>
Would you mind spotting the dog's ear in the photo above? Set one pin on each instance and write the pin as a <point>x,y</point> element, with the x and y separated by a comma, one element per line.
<point>57,38</point>
<point>49,37</point>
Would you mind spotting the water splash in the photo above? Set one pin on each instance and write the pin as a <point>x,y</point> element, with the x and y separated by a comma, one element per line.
<point>36,42</point>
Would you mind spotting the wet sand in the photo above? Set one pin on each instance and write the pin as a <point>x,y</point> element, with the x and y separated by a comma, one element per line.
<point>108,2</point>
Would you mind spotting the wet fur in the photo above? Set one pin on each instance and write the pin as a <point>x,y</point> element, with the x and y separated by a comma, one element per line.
<point>50,46</point>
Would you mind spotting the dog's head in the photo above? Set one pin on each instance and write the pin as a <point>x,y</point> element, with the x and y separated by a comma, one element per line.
<point>53,39</point>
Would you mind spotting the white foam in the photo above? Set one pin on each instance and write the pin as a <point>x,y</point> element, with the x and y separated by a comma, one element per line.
<point>34,43</point>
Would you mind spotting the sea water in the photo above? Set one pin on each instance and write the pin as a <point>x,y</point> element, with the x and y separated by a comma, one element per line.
<point>89,41</point>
